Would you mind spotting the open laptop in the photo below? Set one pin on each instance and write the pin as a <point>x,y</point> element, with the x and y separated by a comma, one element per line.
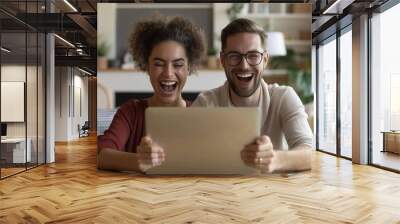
<point>202,140</point>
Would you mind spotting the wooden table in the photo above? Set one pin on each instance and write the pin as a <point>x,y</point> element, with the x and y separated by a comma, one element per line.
<point>73,191</point>
<point>391,141</point>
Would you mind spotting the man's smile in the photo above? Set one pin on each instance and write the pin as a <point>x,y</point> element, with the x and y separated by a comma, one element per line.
<point>244,77</point>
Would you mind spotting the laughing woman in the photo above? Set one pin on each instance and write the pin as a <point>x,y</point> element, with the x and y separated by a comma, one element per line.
<point>168,49</point>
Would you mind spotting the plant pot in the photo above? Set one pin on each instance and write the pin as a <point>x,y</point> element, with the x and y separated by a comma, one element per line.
<point>102,63</point>
<point>212,62</point>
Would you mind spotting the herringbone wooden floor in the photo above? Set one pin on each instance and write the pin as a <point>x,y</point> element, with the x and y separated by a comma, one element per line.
<point>73,191</point>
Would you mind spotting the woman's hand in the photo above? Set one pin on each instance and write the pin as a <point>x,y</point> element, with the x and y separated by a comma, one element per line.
<point>150,154</point>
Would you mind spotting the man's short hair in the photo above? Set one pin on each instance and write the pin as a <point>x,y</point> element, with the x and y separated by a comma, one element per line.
<point>242,25</point>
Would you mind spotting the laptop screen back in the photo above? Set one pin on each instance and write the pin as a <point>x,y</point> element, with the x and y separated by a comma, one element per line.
<point>202,140</point>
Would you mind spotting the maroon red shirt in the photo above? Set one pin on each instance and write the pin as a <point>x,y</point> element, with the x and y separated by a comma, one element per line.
<point>127,127</point>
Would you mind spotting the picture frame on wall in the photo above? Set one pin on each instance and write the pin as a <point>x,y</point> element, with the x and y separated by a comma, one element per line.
<point>12,101</point>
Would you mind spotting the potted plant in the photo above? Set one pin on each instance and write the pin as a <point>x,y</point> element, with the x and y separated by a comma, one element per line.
<point>212,59</point>
<point>234,10</point>
<point>102,50</point>
<point>299,76</point>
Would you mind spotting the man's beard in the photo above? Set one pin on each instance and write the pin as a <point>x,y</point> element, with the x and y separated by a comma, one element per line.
<point>243,93</point>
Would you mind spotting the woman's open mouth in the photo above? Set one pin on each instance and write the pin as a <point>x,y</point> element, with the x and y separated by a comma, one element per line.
<point>168,86</point>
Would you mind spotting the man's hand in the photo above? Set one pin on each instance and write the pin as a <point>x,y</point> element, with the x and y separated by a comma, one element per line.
<point>150,154</point>
<point>260,154</point>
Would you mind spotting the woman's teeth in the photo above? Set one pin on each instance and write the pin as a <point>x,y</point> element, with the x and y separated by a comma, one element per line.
<point>168,86</point>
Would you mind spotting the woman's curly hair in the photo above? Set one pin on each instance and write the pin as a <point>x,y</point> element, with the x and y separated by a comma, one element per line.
<point>150,32</point>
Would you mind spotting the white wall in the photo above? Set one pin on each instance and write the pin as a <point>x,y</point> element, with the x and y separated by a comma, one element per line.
<point>70,84</point>
<point>220,21</point>
<point>80,103</point>
<point>61,103</point>
<point>106,25</point>
<point>13,73</point>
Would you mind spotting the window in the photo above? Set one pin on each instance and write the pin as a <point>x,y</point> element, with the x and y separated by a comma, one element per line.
<point>385,87</point>
<point>346,93</point>
<point>22,75</point>
<point>327,96</point>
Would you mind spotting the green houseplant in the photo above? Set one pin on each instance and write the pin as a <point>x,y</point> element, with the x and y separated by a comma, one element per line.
<point>299,77</point>
<point>212,59</point>
<point>234,10</point>
<point>102,51</point>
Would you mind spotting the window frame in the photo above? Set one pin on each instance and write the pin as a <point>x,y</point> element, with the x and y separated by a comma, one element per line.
<point>346,26</point>
<point>378,10</point>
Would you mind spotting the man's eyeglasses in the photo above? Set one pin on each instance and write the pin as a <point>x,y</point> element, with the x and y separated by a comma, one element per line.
<point>253,58</point>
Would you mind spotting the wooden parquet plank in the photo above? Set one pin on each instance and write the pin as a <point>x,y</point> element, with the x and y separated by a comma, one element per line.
<point>73,191</point>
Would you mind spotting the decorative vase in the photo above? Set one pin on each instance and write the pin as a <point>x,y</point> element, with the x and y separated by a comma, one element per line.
<point>212,62</point>
<point>102,63</point>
